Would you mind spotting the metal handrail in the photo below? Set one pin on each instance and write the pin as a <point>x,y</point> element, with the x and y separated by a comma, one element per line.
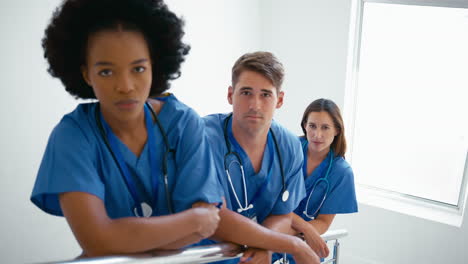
<point>332,235</point>
<point>199,254</point>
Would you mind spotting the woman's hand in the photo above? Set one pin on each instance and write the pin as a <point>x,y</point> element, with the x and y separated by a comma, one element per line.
<point>311,231</point>
<point>304,254</point>
<point>313,239</point>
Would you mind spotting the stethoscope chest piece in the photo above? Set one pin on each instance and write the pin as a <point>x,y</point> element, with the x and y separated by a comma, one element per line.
<point>285,196</point>
<point>143,209</point>
<point>238,161</point>
<point>146,210</point>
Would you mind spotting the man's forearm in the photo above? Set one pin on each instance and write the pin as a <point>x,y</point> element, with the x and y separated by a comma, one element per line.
<point>320,224</point>
<point>280,223</point>
<point>236,228</point>
<point>298,224</point>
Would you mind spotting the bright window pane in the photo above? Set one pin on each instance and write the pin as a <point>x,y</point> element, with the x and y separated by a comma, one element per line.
<point>411,123</point>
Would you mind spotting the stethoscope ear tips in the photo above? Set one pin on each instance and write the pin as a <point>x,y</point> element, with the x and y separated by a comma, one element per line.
<point>240,210</point>
<point>306,214</point>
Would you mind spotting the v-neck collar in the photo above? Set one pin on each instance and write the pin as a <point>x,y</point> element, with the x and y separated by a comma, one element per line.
<point>248,167</point>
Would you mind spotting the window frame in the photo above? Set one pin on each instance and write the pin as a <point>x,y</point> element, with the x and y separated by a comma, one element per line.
<point>386,199</point>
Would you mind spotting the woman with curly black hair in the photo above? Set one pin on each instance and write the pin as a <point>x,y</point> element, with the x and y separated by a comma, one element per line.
<point>125,171</point>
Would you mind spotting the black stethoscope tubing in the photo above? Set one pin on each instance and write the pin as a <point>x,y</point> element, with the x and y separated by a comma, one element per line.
<point>165,156</point>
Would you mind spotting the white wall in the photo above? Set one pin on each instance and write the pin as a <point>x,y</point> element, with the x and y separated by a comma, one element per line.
<point>311,38</point>
<point>33,103</point>
<point>219,32</point>
<point>381,236</point>
<point>27,117</point>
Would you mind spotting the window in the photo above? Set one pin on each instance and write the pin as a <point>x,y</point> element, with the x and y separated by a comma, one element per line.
<point>407,107</point>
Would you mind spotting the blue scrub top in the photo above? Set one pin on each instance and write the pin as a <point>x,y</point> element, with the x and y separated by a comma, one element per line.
<point>341,198</point>
<point>270,201</point>
<point>77,160</point>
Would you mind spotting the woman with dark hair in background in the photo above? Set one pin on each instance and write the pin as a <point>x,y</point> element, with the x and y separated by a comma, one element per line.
<point>125,171</point>
<point>328,178</point>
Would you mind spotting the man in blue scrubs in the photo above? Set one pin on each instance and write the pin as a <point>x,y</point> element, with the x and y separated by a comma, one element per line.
<point>259,163</point>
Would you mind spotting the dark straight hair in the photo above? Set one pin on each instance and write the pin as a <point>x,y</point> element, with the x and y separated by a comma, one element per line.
<point>326,105</point>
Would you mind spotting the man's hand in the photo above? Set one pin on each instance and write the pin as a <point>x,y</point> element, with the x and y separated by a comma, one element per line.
<point>256,256</point>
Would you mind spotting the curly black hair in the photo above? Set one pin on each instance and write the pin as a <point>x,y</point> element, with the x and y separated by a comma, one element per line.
<point>66,38</point>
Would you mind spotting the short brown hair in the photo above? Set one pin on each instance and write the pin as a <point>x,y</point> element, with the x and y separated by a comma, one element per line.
<point>262,62</point>
<point>326,105</point>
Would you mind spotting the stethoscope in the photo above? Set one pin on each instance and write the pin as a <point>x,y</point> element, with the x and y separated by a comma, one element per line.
<point>324,180</point>
<point>141,209</point>
<point>238,160</point>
